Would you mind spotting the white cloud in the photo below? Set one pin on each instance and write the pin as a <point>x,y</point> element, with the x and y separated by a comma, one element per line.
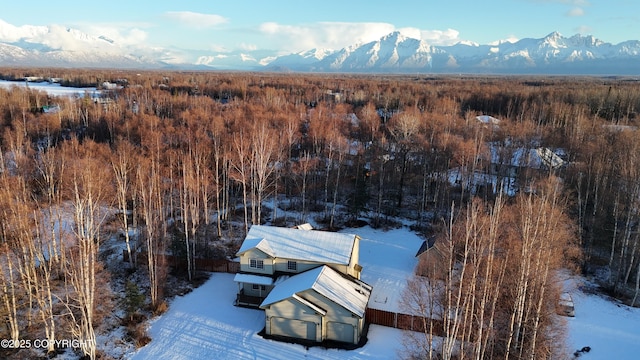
<point>121,34</point>
<point>576,12</point>
<point>196,20</point>
<point>81,37</point>
<point>584,29</point>
<point>411,32</point>
<point>441,37</point>
<point>331,35</point>
<point>11,33</point>
<point>59,37</point>
<point>336,35</point>
<point>248,47</point>
<point>219,48</point>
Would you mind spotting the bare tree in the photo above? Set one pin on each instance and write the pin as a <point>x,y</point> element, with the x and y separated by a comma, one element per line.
<point>51,169</point>
<point>12,288</point>
<point>89,191</point>
<point>265,151</point>
<point>404,128</point>
<point>495,286</point>
<point>242,171</point>
<point>302,168</point>
<point>122,164</point>
<point>188,210</point>
<point>148,186</point>
<point>10,292</point>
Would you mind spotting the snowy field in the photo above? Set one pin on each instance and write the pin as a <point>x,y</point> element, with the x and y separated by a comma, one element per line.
<point>53,89</point>
<point>204,324</point>
<point>610,329</point>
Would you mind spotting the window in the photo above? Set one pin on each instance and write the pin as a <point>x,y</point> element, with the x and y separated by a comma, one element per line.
<point>261,287</point>
<point>256,264</point>
<point>292,265</point>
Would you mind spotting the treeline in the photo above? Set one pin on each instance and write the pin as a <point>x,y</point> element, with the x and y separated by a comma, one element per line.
<point>493,280</point>
<point>185,156</point>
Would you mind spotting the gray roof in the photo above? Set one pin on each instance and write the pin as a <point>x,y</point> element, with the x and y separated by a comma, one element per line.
<point>309,245</point>
<point>349,293</point>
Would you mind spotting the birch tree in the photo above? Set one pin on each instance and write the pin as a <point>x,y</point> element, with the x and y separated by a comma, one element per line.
<point>153,210</point>
<point>122,165</point>
<point>88,186</point>
<point>241,170</point>
<point>149,189</point>
<point>265,152</point>
<point>498,285</point>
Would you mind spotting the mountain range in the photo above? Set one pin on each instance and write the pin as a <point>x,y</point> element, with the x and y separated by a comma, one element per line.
<point>395,53</point>
<point>53,46</point>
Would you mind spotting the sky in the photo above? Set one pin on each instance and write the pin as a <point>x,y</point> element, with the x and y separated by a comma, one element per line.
<point>286,26</point>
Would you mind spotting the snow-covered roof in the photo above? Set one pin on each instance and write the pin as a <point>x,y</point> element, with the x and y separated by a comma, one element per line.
<point>256,243</point>
<point>305,226</point>
<point>533,158</point>
<point>472,180</point>
<point>310,245</point>
<point>349,293</point>
<point>615,127</point>
<point>549,158</point>
<point>486,119</point>
<point>253,279</point>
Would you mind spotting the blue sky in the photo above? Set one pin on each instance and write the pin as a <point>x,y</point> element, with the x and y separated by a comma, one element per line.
<point>288,26</point>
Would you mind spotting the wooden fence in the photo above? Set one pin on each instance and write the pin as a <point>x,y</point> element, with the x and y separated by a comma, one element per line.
<point>211,265</point>
<point>404,321</point>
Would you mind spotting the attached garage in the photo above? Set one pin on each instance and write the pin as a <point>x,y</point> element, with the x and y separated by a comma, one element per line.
<point>317,305</point>
<point>340,332</point>
<point>293,328</point>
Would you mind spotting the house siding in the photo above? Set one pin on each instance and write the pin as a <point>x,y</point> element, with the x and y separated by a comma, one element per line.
<point>302,266</point>
<point>258,255</point>
<point>249,290</point>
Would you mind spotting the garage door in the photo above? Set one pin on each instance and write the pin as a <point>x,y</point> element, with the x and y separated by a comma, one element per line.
<point>293,328</point>
<point>340,331</point>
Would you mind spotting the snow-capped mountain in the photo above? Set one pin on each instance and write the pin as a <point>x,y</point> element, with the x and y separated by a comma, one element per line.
<point>553,54</point>
<point>301,60</point>
<point>57,46</point>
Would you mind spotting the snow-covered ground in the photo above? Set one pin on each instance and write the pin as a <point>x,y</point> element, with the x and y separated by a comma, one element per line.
<point>204,324</point>
<point>609,328</point>
<point>387,259</point>
<point>53,89</point>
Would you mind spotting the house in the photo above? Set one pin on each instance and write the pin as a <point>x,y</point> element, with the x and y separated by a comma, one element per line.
<point>269,252</point>
<point>307,281</point>
<point>489,121</point>
<point>317,305</point>
<point>431,255</point>
<point>503,166</point>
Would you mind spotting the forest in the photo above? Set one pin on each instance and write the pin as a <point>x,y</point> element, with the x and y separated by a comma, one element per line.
<point>183,163</point>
